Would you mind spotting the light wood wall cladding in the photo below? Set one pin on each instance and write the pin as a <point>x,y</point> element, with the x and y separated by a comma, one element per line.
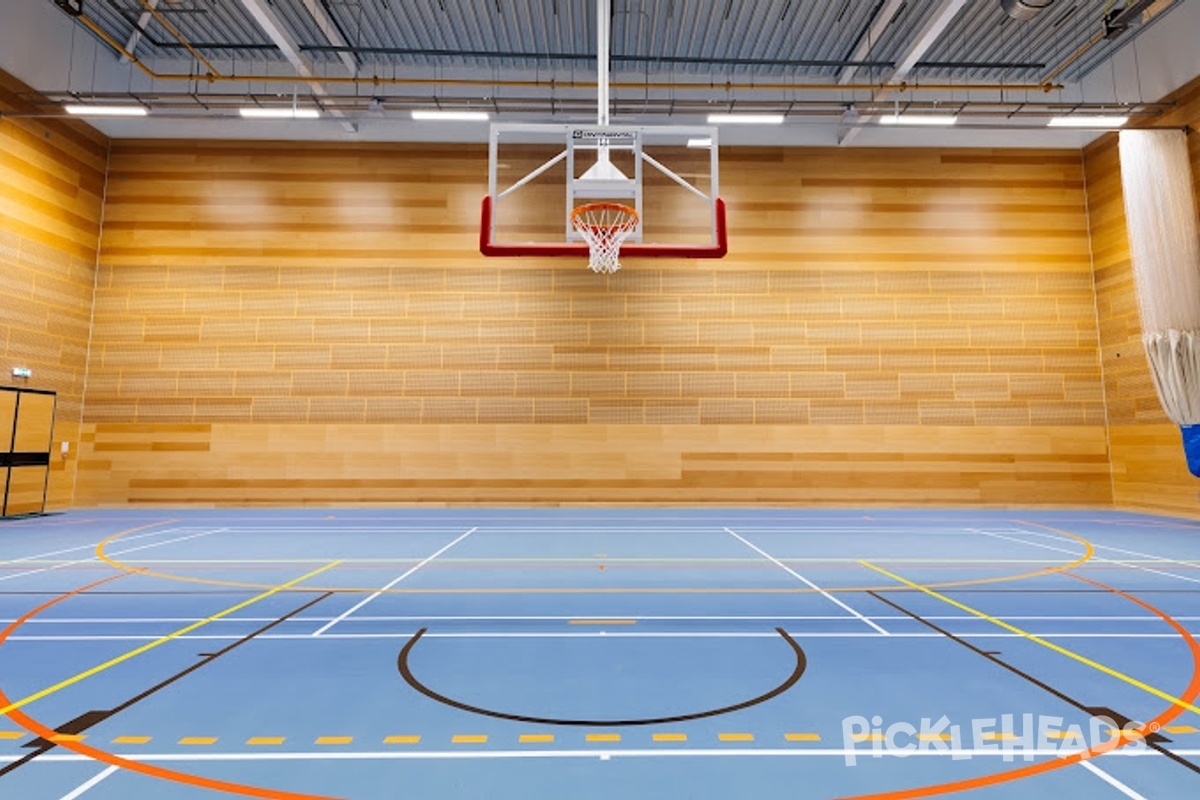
<point>1149,469</point>
<point>336,464</point>
<point>52,177</point>
<point>244,284</point>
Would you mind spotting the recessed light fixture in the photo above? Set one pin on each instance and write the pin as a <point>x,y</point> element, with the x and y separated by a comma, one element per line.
<point>260,112</point>
<point>433,115</point>
<point>706,142</point>
<point>1081,121</point>
<point>106,111</point>
<point>918,119</point>
<point>746,119</point>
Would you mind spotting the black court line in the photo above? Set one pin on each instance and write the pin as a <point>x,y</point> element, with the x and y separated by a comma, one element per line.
<point>89,719</point>
<point>402,665</point>
<point>1154,740</point>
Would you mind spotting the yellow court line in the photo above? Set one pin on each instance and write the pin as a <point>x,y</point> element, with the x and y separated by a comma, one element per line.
<point>1177,729</point>
<point>603,737</point>
<point>335,740</point>
<point>198,740</point>
<point>1121,676</point>
<point>735,737</point>
<point>536,738</point>
<point>669,737</point>
<point>802,737</point>
<point>402,740</point>
<point>68,737</point>
<point>468,739</point>
<point>112,662</point>
<point>266,740</point>
<point>12,735</point>
<point>1089,552</point>
<point>131,740</point>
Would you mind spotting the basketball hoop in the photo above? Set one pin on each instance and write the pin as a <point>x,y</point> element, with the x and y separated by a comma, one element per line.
<point>604,226</point>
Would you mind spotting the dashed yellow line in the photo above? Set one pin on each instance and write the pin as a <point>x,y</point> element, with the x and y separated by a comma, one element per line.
<point>402,740</point>
<point>603,737</point>
<point>802,737</point>
<point>669,737</point>
<point>536,738</point>
<point>131,740</point>
<point>469,739</point>
<point>335,740</point>
<point>1177,729</point>
<point>266,741</point>
<point>933,737</point>
<point>868,737</point>
<point>198,740</point>
<point>68,737</point>
<point>735,737</point>
<point>12,735</point>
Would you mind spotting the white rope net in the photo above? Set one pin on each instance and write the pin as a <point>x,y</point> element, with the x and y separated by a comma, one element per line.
<point>1164,240</point>
<point>604,226</point>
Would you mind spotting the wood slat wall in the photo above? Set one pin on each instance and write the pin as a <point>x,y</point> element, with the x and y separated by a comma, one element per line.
<point>282,323</point>
<point>52,176</point>
<point>1149,470</point>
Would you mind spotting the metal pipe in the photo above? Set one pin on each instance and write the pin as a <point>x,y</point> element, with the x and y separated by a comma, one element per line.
<point>603,19</point>
<point>375,80</point>
<point>1071,59</point>
<point>179,37</point>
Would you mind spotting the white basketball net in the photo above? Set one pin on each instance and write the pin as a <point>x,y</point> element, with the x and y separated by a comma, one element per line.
<point>604,226</point>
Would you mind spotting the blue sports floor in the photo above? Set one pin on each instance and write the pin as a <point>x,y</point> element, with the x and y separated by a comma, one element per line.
<point>586,654</point>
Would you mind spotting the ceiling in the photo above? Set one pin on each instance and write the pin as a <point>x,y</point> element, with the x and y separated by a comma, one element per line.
<point>834,67</point>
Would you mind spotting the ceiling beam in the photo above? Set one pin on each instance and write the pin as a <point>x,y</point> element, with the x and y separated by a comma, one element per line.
<point>921,44</point>
<point>135,38</point>
<point>332,33</point>
<point>273,27</point>
<point>874,34</point>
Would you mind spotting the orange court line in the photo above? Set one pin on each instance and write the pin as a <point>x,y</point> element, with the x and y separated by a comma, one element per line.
<point>1171,713</point>
<point>39,729</point>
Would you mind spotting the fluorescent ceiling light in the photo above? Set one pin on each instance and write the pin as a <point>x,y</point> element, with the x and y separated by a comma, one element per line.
<point>699,142</point>
<point>258,112</point>
<point>107,111</point>
<point>918,119</point>
<point>747,119</point>
<point>451,116</point>
<point>1080,121</point>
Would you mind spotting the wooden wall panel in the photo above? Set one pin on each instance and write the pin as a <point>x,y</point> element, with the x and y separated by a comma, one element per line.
<point>52,176</point>
<point>1149,469</point>
<point>235,464</point>
<point>313,323</point>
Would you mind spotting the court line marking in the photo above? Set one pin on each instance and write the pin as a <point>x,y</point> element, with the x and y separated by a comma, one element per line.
<point>1121,676</point>
<point>80,790</point>
<point>369,598</point>
<point>1126,564</point>
<point>91,546</point>
<point>95,754</point>
<point>112,662</point>
<point>1111,781</point>
<point>65,564</point>
<point>1050,754</point>
<point>805,580</point>
<point>1088,554</point>
<point>1132,564</point>
<point>538,618</point>
<point>599,634</point>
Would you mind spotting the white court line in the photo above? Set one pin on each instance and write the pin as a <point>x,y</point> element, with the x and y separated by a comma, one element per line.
<point>470,755</point>
<point>1153,558</point>
<point>1126,564</point>
<point>87,546</point>
<point>434,618</point>
<point>83,787</point>
<point>1111,781</point>
<point>804,580</point>
<point>117,553</point>
<point>371,597</point>
<point>613,634</point>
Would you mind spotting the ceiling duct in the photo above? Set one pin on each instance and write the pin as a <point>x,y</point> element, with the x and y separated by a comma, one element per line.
<point>1025,9</point>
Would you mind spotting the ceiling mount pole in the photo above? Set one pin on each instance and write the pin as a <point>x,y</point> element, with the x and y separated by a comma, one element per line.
<point>603,23</point>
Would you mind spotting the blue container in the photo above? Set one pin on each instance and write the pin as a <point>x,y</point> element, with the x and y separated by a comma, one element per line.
<point>1191,446</point>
